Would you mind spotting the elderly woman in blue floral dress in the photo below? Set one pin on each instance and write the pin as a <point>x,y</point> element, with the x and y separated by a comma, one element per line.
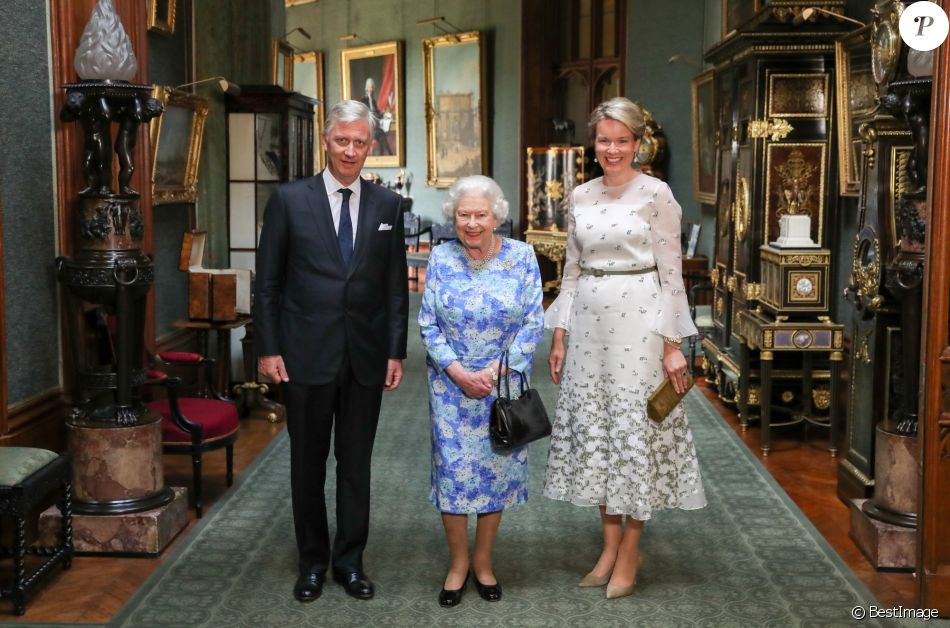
<point>482,297</point>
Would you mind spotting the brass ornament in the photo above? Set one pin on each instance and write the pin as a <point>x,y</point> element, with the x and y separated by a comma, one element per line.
<point>788,396</point>
<point>714,276</point>
<point>752,291</point>
<point>554,189</point>
<point>720,306</point>
<point>866,265</point>
<point>731,283</point>
<point>742,213</point>
<point>754,396</point>
<point>821,397</point>
<point>775,129</point>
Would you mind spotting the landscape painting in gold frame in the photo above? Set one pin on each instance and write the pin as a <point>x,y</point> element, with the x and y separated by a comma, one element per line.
<point>456,125</point>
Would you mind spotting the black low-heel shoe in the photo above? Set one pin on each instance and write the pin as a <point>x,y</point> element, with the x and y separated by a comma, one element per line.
<point>452,598</point>
<point>489,592</point>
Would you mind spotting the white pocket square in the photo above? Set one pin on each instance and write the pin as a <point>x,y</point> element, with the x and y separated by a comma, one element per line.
<point>385,227</point>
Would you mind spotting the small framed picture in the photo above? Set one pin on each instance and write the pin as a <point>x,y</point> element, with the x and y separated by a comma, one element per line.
<point>161,16</point>
<point>283,65</point>
<point>176,146</point>
<point>693,240</point>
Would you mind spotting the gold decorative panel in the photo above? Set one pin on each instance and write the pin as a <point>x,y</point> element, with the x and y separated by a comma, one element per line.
<point>795,184</point>
<point>798,95</point>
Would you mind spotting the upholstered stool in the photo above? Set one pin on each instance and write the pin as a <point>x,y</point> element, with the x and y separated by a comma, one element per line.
<point>27,477</point>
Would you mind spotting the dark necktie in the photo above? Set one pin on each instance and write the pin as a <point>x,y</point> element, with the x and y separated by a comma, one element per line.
<point>344,234</point>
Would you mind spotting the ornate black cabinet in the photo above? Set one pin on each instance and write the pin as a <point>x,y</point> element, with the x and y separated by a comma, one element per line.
<point>774,81</point>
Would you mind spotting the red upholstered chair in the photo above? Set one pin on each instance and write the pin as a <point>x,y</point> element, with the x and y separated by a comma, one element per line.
<point>194,425</point>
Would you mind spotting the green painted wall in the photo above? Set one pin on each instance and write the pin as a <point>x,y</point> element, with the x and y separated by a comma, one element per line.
<point>233,39</point>
<point>385,20</point>
<point>28,203</point>
<point>656,31</point>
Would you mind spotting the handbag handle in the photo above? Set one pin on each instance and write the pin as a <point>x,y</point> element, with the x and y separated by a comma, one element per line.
<point>503,364</point>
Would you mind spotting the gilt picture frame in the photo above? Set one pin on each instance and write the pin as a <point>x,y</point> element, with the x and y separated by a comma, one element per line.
<point>161,16</point>
<point>856,98</point>
<point>282,68</point>
<point>705,156</point>
<point>373,75</point>
<point>456,120</point>
<point>309,81</point>
<point>176,138</point>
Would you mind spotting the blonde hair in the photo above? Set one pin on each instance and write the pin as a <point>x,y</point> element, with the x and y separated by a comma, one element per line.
<point>621,109</point>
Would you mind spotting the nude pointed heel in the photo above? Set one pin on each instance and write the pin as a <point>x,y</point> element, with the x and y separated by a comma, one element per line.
<point>613,591</point>
<point>592,580</point>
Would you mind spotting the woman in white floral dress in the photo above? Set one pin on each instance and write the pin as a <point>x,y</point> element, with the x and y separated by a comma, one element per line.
<point>618,323</point>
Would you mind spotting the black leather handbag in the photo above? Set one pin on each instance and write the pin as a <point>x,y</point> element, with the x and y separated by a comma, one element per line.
<point>517,422</point>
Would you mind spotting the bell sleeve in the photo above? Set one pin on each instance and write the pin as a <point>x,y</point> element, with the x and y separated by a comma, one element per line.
<point>441,354</point>
<point>525,343</point>
<point>558,313</point>
<point>672,319</point>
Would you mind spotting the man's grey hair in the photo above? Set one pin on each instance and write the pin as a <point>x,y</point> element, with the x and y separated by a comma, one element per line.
<point>369,81</point>
<point>349,111</point>
<point>476,185</point>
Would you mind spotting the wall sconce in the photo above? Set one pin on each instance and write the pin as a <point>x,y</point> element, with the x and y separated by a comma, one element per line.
<point>229,88</point>
<point>437,21</point>
<point>809,12</point>
<point>680,58</point>
<point>352,37</point>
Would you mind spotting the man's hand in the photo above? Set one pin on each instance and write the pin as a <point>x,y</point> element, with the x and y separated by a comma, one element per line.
<point>393,375</point>
<point>272,367</point>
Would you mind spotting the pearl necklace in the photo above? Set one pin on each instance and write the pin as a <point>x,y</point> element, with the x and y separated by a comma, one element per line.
<point>478,264</point>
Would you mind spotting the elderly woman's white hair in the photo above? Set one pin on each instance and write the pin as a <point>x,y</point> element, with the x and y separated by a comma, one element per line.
<point>346,111</point>
<point>476,185</point>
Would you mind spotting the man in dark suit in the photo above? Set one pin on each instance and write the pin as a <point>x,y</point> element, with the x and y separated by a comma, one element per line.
<point>330,318</point>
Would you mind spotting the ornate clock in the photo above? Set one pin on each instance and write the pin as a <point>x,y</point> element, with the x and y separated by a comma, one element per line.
<point>885,41</point>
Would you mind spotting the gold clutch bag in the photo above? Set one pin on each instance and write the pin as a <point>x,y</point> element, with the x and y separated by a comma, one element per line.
<point>665,398</point>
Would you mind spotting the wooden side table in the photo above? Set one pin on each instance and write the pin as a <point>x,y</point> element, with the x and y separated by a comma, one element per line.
<point>768,336</point>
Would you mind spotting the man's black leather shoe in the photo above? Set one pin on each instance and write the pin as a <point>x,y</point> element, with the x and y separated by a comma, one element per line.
<point>355,583</point>
<point>309,586</point>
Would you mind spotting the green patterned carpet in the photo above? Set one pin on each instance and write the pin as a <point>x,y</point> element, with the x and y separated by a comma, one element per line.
<point>748,559</point>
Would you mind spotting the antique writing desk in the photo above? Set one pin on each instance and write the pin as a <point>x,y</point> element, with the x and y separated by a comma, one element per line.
<point>770,335</point>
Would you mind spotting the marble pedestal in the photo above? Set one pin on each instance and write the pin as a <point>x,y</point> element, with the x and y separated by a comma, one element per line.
<point>144,533</point>
<point>888,547</point>
<point>885,526</point>
<point>120,502</point>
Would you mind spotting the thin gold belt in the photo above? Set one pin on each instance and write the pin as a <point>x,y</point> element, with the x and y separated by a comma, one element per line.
<point>598,272</point>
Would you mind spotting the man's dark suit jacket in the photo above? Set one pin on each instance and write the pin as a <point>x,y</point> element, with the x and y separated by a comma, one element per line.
<point>308,307</point>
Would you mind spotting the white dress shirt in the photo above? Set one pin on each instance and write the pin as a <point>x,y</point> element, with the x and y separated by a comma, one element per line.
<point>336,200</point>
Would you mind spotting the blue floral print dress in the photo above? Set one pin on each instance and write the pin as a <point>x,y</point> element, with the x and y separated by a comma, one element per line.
<point>472,316</point>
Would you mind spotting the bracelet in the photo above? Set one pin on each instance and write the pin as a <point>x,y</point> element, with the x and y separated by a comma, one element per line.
<point>494,374</point>
<point>676,341</point>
